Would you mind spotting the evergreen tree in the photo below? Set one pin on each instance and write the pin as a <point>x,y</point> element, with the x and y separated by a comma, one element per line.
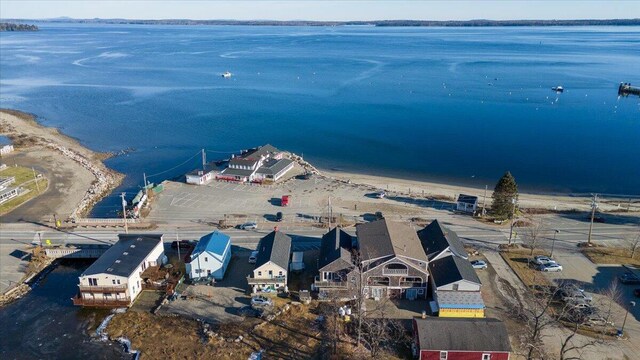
<point>505,191</point>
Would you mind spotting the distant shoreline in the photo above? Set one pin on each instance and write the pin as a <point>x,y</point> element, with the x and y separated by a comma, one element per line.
<point>378,23</point>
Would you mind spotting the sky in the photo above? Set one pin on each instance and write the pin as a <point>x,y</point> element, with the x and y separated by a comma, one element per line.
<point>322,10</point>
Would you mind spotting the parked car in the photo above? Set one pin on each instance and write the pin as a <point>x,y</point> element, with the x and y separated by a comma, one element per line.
<point>253,257</point>
<point>248,226</point>
<point>571,293</point>
<point>261,301</point>
<point>543,260</point>
<point>380,194</point>
<point>379,215</point>
<point>553,267</point>
<point>183,244</point>
<point>580,304</point>
<point>597,320</point>
<point>279,216</point>
<point>479,264</point>
<point>629,278</point>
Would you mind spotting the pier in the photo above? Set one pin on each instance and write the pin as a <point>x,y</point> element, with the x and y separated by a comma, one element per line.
<point>79,251</point>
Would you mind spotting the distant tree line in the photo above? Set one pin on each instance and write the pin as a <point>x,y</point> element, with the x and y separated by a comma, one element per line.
<point>17,27</point>
<point>419,23</point>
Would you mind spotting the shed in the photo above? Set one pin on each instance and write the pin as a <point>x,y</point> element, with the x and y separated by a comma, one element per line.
<point>467,203</point>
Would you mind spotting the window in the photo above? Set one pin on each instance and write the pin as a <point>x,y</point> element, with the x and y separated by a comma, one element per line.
<point>206,259</point>
<point>443,355</point>
<point>455,287</point>
<point>259,273</point>
<point>280,273</point>
<point>486,356</point>
<point>420,291</point>
<point>93,282</point>
<point>113,281</point>
<point>118,281</point>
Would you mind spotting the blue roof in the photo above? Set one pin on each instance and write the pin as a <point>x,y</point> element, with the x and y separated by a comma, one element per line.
<point>216,243</point>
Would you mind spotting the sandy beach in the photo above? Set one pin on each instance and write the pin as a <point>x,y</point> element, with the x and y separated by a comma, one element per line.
<point>451,192</point>
<point>77,175</point>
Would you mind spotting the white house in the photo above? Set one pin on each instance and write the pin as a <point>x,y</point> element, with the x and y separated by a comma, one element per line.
<point>210,257</point>
<point>257,165</point>
<point>5,145</point>
<point>114,279</point>
<point>272,263</point>
<point>467,203</point>
<point>202,176</point>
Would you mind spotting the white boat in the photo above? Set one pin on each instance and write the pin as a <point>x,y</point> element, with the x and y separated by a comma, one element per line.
<point>226,74</point>
<point>557,89</point>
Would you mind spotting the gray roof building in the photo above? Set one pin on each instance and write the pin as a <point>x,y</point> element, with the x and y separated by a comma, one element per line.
<point>468,199</point>
<point>436,238</point>
<point>273,166</point>
<point>450,269</point>
<point>123,257</point>
<point>275,247</point>
<point>383,238</point>
<point>335,251</point>
<point>462,334</point>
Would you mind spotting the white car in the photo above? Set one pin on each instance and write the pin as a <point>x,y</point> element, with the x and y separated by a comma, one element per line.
<point>479,264</point>
<point>248,226</point>
<point>260,301</point>
<point>253,257</point>
<point>543,260</point>
<point>381,194</point>
<point>552,267</point>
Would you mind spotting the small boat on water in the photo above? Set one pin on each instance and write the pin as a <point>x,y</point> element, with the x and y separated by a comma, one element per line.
<point>625,89</point>
<point>557,89</point>
<point>226,74</point>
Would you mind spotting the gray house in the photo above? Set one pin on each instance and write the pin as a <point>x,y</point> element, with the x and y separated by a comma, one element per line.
<point>455,286</point>
<point>467,203</point>
<point>272,264</point>
<point>393,261</point>
<point>337,271</point>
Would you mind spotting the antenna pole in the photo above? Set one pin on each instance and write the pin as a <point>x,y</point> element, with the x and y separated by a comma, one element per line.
<point>124,213</point>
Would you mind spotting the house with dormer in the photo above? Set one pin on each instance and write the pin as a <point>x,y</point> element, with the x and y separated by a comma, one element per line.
<point>336,277</point>
<point>392,260</point>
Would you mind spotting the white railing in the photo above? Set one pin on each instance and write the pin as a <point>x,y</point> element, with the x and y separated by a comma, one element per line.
<point>103,221</point>
<point>395,271</point>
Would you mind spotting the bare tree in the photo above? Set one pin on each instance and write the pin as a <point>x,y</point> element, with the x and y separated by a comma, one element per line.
<point>533,234</point>
<point>380,333</point>
<point>536,315</point>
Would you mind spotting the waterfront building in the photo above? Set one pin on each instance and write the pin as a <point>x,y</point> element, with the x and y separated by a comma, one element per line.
<point>210,257</point>
<point>264,163</point>
<point>272,264</point>
<point>202,176</point>
<point>338,274</point>
<point>467,203</point>
<point>5,146</point>
<point>114,279</point>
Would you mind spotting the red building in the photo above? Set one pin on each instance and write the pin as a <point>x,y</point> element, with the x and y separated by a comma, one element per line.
<point>439,338</point>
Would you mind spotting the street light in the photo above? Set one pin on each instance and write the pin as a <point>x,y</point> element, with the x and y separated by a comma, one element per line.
<point>633,304</point>
<point>553,244</point>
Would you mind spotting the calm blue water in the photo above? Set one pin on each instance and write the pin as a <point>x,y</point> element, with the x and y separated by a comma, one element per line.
<point>442,104</point>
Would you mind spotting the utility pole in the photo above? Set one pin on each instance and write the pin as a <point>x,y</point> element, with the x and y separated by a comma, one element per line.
<point>55,220</point>
<point>484,201</point>
<point>35,178</point>
<point>553,244</point>
<point>124,213</point>
<point>204,160</point>
<point>178,243</point>
<point>146,191</point>
<point>513,215</point>
<point>594,205</point>
<point>329,211</point>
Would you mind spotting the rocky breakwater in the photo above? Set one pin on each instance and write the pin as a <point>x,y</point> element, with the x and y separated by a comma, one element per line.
<point>106,180</point>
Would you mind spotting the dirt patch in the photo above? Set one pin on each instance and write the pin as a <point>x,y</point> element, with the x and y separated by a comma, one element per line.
<point>611,255</point>
<point>293,335</point>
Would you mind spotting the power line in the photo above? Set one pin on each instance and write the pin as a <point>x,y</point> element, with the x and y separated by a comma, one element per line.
<point>175,167</point>
<point>223,152</point>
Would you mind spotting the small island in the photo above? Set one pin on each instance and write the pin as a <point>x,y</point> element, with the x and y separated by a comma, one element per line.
<point>17,27</point>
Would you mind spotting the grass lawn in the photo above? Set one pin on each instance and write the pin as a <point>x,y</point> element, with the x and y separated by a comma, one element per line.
<point>611,255</point>
<point>518,260</point>
<point>24,179</point>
